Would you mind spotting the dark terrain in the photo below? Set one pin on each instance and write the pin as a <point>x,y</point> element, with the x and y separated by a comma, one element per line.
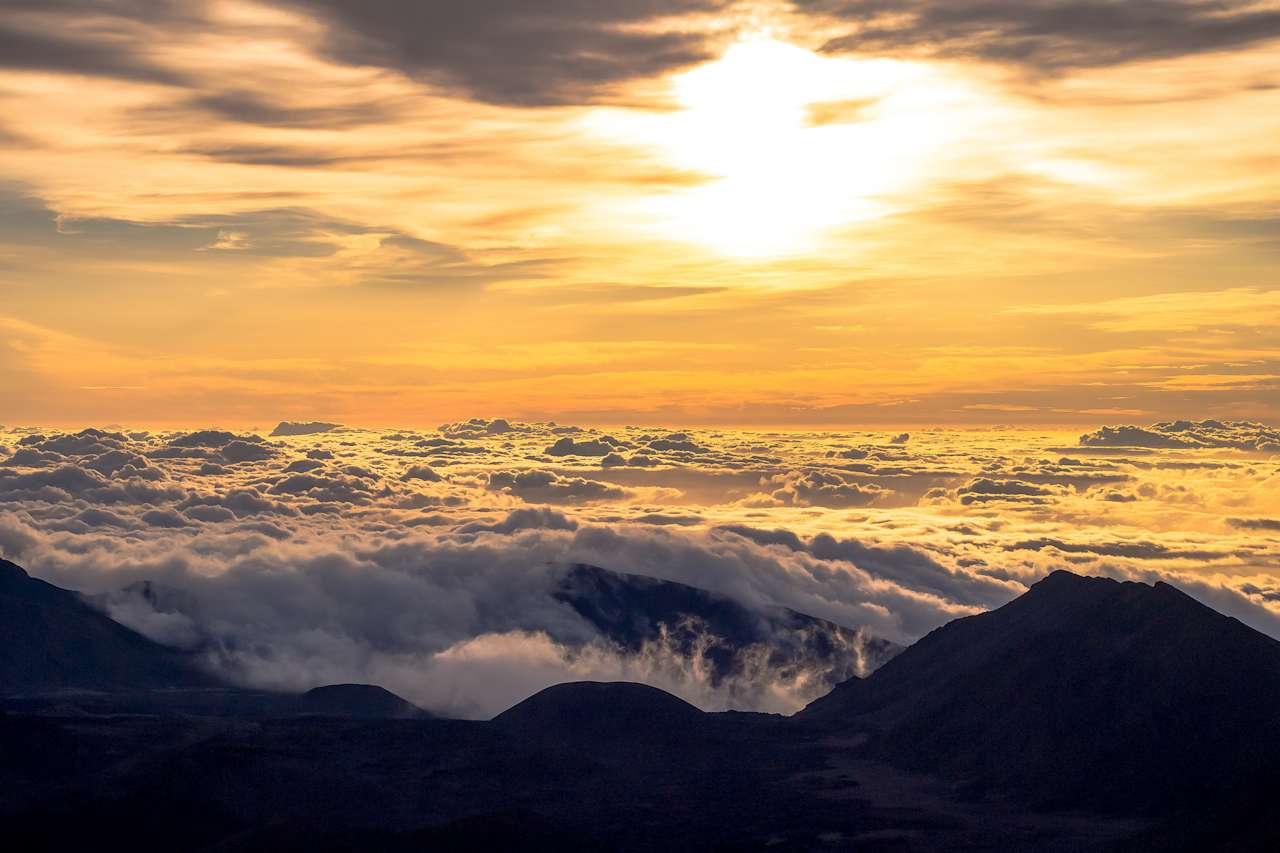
<point>1085,715</point>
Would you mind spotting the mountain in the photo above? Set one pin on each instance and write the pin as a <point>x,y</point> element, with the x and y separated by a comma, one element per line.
<point>593,710</point>
<point>1087,715</point>
<point>729,639</point>
<point>53,640</point>
<point>1083,692</point>
<point>356,701</point>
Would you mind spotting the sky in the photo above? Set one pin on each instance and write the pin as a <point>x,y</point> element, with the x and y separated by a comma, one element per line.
<point>779,213</point>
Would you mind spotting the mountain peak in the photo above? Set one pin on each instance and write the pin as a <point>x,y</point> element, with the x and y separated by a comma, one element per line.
<point>54,639</point>
<point>1081,673</point>
<point>12,571</point>
<point>1062,579</point>
<point>618,709</point>
<point>357,700</point>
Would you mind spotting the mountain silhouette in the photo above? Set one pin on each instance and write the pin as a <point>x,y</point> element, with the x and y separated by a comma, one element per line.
<point>1086,715</point>
<point>1081,692</point>
<point>53,640</point>
<point>594,710</point>
<point>366,701</point>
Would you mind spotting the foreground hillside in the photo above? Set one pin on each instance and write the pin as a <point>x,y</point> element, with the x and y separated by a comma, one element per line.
<point>1085,715</point>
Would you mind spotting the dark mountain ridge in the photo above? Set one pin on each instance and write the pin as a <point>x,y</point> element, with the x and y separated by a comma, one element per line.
<point>1081,691</point>
<point>366,701</point>
<point>595,710</point>
<point>1087,715</point>
<point>58,650</point>
<point>53,640</point>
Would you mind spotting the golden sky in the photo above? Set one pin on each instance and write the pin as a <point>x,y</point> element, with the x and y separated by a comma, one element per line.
<point>785,212</point>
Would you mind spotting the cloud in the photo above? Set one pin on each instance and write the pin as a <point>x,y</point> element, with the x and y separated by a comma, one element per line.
<point>246,451</point>
<point>900,565</point>
<point>1047,35</point>
<point>550,53</point>
<point>257,108</point>
<point>1238,307</point>
<point>1240,435</point>
<point>234,503</point>
<point>357,254</point>
<point>108,38</point>
<point>477,427</point>
<point>1004,488</point>
<point>820,488</point>
<point>675,442</point>
<point>324,488</point>
<point>549,487</point>
<point>635,460</point>
<point>1132,550</point>
<point>532,518</point>
<point>422,472</point>
<point>68,482</point>
<point>288,575</point>
<point>567,446</point>
<point>292,616</point>
<point>1267,524</point>
<point>307,428</point>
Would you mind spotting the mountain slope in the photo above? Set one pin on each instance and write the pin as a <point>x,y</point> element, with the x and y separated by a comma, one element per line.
<point>731,639</point>
<point>52,639</point>
<point>1082,692</point>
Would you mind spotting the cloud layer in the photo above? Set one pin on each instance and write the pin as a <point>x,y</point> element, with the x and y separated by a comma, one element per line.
<point>430,561</point>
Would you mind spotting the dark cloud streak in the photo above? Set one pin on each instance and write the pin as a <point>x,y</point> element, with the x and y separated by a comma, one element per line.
<point>513,52</point>
<point>1048,35</point>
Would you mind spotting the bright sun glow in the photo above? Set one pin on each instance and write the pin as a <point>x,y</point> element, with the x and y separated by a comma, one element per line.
<point>797,144</point>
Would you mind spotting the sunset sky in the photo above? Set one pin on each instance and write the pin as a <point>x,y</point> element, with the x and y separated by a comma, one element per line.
<point>815,212</point>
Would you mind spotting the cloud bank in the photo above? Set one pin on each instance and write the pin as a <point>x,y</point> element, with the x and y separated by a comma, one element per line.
<point>434,562</point>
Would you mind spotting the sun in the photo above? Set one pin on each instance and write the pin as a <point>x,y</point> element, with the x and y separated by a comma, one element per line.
<point>795,145</point>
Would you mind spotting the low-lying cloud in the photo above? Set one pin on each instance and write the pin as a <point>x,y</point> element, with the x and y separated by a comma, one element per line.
<point>430,561</point>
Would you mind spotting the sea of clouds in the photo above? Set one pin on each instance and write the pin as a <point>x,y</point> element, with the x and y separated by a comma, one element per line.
<point>426,561</point>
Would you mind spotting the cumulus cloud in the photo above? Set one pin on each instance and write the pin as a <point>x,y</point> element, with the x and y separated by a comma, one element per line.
<point>549,487</point>
<point>422,472</point>
<point>532,518</point>
<point>819,488</point>
<point>567,446</point>
<point>479,427</point>
<point>303,466</point>
<point>210,438</point>
<point>324,488</point>
<point>678,442</point>
<point>68,482</point>
<point>1241,435</point>
<point>285,428</point>
<point>635,460</point>
<point>245,451</point>
<point>1004,488</point>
